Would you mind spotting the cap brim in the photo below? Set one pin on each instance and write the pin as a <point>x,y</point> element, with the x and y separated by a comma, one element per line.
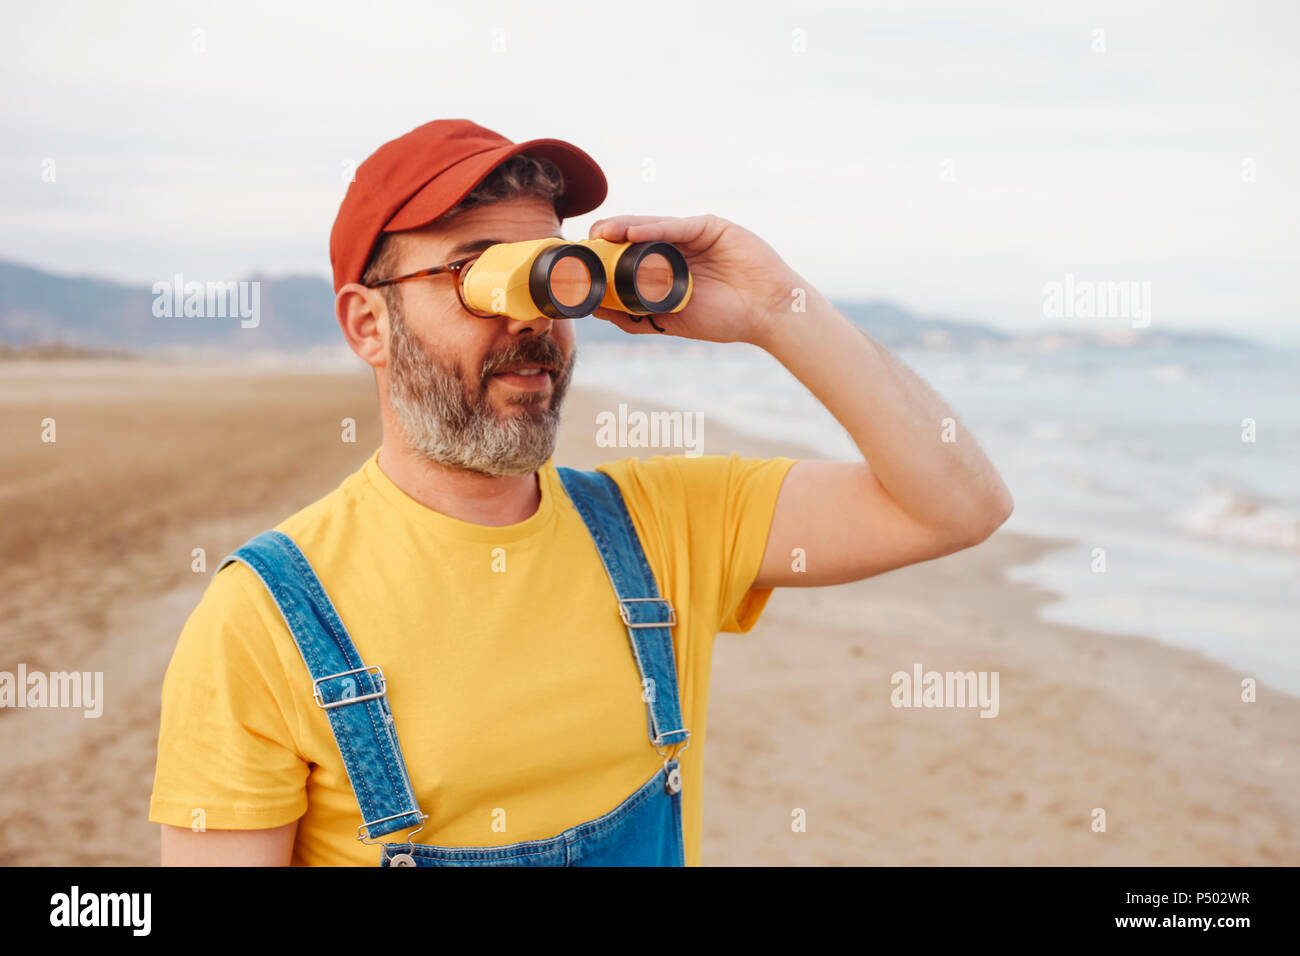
<point>585,186</point>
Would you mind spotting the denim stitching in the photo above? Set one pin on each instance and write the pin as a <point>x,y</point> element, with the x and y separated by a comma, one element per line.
<point>368,798</point>
<point>397,778</point>
<point>603,546</point>
<point>338,721</point>
<point>618,508</point>
<point>567,837</point>
<point>606,491</point>
<point>290,613</point>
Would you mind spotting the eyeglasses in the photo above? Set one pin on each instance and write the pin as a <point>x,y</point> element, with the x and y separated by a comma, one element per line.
<point>456,269</point>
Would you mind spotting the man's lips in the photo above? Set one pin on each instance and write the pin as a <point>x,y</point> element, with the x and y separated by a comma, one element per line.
<point>527,376</point>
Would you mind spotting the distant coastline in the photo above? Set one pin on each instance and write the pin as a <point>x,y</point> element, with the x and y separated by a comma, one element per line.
<point>39,309</point>
<point>57,350</point>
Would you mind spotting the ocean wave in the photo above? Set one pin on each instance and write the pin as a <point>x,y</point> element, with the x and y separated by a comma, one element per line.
<point>1240,519</point>
<point>1169,373</point>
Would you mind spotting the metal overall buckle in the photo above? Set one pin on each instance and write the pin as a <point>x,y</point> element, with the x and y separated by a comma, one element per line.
<point>398,859</point>
<point>673,785</point>
<point>625,613</point>
<point>378,675</point>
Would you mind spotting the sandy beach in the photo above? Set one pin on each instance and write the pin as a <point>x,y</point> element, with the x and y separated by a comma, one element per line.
<point>154,460</point>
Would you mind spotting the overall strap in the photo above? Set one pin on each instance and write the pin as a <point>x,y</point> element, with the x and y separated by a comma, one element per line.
<point>353,696</point>
<point>647,615</point>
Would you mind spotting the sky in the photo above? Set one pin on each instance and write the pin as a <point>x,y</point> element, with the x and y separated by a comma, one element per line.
<point>957,160</point>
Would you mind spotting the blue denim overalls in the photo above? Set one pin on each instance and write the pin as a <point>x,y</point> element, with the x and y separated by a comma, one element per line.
<point>643,830</point>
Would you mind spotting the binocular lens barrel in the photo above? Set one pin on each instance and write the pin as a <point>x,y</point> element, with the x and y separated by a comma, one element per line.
<point>567,281</point>
<point>651,277</point>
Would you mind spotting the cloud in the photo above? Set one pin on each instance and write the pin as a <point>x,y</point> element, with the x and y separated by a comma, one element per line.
<point>952,159</point>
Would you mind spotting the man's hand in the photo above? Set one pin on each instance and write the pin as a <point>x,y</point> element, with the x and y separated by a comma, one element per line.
<point>739,283</point>
<point>924,488</point>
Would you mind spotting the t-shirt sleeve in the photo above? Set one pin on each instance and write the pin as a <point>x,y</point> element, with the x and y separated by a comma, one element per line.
<point>712,514</point>
<point>748,502</point>
<point>227,741</point>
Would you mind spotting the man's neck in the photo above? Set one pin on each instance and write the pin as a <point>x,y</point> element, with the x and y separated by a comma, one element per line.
<point>478,499</point>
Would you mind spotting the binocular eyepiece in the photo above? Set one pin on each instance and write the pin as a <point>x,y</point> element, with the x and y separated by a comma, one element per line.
<point>565,280</point>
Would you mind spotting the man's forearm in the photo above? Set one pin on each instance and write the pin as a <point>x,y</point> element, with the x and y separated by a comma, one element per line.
<point>911,440</point>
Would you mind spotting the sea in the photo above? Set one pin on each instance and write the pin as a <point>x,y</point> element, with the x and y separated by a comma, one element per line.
<point>1172,473</point>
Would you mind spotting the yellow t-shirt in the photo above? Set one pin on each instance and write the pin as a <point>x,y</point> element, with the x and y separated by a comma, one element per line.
<point>511,690</point>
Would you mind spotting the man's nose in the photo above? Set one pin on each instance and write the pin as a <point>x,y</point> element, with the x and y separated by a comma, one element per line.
<point>538,325</point>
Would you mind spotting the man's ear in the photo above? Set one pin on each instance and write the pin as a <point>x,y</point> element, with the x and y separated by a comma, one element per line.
<point>363,317</point>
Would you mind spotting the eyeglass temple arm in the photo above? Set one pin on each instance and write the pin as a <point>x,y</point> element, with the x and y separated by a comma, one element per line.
<point>436,270</point>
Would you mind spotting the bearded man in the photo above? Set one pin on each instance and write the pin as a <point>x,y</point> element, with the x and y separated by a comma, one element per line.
<point>539,638</point>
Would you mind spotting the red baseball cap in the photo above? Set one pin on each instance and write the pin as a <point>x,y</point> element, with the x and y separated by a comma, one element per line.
<point>412,180</point>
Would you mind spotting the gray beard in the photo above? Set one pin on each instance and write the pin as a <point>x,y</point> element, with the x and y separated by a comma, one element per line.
<point>448,421</point>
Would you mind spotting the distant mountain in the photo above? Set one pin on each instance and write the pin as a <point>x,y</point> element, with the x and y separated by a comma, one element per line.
<point>37,307</point>
<point>895,328</point>
<point>297,312</point>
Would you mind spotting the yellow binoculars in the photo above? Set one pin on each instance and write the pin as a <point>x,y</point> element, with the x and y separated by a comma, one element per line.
<point>565,280</point>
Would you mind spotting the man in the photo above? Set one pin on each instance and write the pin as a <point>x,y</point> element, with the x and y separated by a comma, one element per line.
<point>533,625</point>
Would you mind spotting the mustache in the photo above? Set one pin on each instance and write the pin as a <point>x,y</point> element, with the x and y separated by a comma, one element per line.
<point>533,351</point>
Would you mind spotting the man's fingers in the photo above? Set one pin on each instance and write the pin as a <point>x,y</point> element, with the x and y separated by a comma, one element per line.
<point>681,232</point>
<point>615,228</point>
<point>693,234</point>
